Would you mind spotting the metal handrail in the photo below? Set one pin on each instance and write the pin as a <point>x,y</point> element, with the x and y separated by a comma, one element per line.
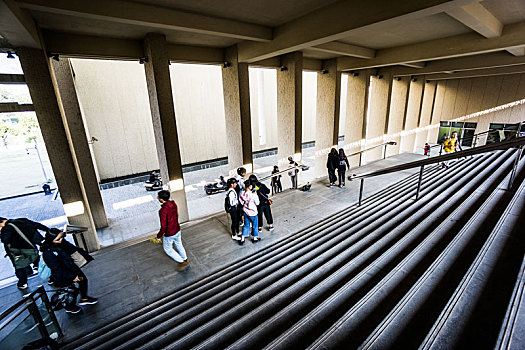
<point>515,142</point>
<point>298,167</point>
<point>360,153</point>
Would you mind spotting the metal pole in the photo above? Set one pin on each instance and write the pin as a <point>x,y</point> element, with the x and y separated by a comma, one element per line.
<point>33,310</point>
<point>419,182</point>
<point>384,153</point>
<point>513,172</point>
<point>361,190</point>
<point>360,156</point>
<point>40,159</point>
<point>51,313</point>
<point>475,141</point>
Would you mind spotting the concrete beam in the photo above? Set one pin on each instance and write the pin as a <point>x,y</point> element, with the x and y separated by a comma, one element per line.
<point>456,46</point>
<point>338,21</point>
<point>12,79</point>
<point>10,107</point>
<point>417,65</point>
<point>488,60</point>
<point>150,16</point>
<point>478,18</point>
<point>309,64</point>
<point>343,49</point>
<point>17,26</point>
<point>517,51</point>
<point>478,73</point>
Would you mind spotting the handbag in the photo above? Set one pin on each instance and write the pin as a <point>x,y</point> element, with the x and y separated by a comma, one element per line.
<point>78,259</point>
<point>25,256</point>
<point>44,272</point>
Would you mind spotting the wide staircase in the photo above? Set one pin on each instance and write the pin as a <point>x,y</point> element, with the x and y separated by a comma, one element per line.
<point>441,272</point>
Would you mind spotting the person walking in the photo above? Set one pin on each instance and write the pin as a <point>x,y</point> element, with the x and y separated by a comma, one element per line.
<point>264,206</point>
<point>249,200</point>
<point>170,230</point>
<point>426,149</point>
<point>331,164</point>
<point>56,253</point>
<point>450,145</point>
<point>277,187</point>
<point>293,173</point>
<point>232,199</point>
<point>341,166</point>
<point>20,238</point>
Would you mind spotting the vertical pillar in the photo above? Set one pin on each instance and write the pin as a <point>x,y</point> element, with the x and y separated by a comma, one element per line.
<point>76,131</point>
<point>413,109</point>
<point>427,105</point>
<point>327,114</point>
<point>37,73</point>
<point>289,109</point>
<point>379,92</point>
<point>439,98</point>
<point>356,111</point>
<point>397,113</point>
<point>163,118</point>
<point>236,89</point>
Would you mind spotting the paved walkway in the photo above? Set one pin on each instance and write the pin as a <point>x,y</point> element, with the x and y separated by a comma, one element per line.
<point>129,276</point>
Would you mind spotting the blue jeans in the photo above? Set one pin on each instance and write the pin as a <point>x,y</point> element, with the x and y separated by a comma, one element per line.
<point>246,227</point>
<point>178,255</point>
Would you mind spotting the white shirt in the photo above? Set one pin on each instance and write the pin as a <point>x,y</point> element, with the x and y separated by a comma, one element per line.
<point>232,195</point>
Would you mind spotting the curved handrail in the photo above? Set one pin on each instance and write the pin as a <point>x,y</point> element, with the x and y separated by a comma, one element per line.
<point>519,141</point>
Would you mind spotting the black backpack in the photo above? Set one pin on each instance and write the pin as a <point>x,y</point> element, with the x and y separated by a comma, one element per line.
<point>227,206</point>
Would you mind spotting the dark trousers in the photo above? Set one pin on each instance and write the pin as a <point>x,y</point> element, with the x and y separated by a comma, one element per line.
<point>277,187</point>
<point>83,285</point>
<point>264,208</point>
<point>294,181</point>
<point>234,215</point>
<point>331,176</point>
<point>341,172</point>
<point>22,274</point>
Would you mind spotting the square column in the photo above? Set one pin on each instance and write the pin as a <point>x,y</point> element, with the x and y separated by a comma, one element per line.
<point>327,114</point>
<point>289,110</point>
<point>236,90</point>
<point>37,73</point>
<point>427,105</point>
<point>356,111</point>
<point>413,110</point>
<point>398,101</point>
<point>76,130</point>
<point>163,117</point>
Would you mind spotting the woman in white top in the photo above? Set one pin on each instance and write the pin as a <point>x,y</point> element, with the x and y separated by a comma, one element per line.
<point>249,200</point>
<point>234,212</point>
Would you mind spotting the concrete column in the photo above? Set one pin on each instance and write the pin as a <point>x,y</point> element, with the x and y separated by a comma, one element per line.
<point>413,109</point>
<point>327,114</point>
<point>397,113</point>
<point>76,130</point>
<point>289,110</point>
<point>436,110</point>
<point>163,117</point>
<point>427,105</point>
<point>375,126</point>
<point>356,110</point>
<point>236,89</point>
<point>37,73</point>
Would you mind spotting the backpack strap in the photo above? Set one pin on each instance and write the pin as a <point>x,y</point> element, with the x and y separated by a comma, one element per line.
<point>22,235</point>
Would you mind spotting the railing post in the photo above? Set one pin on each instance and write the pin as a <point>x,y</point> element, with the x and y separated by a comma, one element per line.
<point>51,313</point>
<point>361,190</point>
<point>475,141</point>
<point>33,310</point>
<point>384,153</point>
<point>360,157</point>
<point>513,172</point>
<point>419,182</point>
<point>441,149</point>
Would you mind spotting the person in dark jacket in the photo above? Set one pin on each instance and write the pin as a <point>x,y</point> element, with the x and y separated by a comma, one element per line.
<point>56,253</point>
<point>341,166</point>
<point>264,203</point>
<point>21,250</point>
<point>170,230</point>
<point>331,165</point>
<point>277,187</point>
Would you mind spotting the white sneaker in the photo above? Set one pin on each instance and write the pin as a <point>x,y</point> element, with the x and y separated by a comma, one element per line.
<point>271,228</point>
<point>236,237</point>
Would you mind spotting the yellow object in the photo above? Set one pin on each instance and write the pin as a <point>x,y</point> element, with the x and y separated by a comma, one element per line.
<point>450,145</point>
<point>155,240</point>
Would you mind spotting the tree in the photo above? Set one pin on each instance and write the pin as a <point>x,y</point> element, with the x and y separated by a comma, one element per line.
<point>28,126</point>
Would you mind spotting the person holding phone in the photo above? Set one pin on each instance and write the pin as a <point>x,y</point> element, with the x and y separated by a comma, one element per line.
<point>249,200</point>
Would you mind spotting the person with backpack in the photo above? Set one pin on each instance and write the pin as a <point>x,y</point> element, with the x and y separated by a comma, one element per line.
<point>56,253</point>
<point>341,166</point>
<point>277,187</point>
<point>20,238</point>
<point>249,200</point>
<point>231,205</point>
<point>264,206</point>
<point>331,165</point>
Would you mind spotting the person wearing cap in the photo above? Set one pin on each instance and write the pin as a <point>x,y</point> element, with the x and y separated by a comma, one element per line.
<point>56,253</point>
<point>20,238</point>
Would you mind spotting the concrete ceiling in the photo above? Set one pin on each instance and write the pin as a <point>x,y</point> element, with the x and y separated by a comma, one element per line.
<point>361,34</point>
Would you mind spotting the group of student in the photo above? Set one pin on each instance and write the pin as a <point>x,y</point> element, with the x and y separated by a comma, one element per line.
<point>337,161</point>
<point>247,201</point>
<point>64,260</point>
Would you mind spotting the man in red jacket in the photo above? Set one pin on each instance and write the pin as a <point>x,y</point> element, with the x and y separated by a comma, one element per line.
<point>170,229</point>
